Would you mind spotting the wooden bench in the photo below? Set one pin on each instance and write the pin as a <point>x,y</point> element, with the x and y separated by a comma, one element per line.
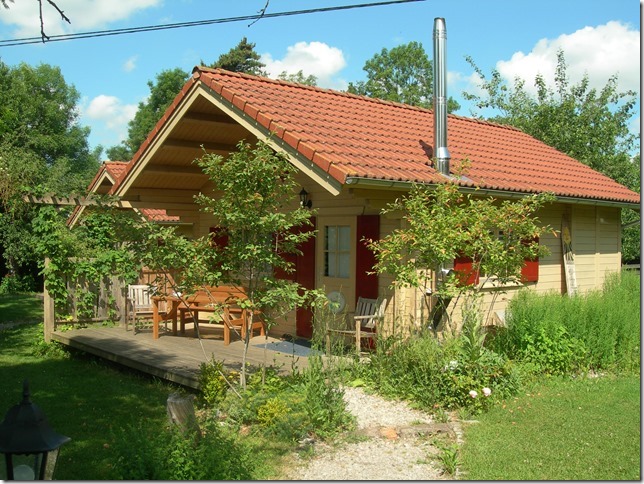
<point>221,301</point>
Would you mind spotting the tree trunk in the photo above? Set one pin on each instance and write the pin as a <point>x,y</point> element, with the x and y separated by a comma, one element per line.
<point>181,412</point>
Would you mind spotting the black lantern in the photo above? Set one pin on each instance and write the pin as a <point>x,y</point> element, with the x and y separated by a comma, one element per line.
<point>29,444</point>
<point>304,199</point>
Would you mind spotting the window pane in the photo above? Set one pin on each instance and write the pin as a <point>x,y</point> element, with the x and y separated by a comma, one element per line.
<point>343,266</point>
<point>344,237</point>
<point>333,265</point>
<point>331,238</point>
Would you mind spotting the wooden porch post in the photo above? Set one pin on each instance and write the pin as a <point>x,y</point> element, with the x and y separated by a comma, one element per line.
<point>49,316</point>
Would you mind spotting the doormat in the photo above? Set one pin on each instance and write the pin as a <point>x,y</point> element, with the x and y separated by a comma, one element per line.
<point>299,347</point>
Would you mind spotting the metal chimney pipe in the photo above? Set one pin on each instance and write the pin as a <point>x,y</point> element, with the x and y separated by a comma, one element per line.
<point>441,153</point>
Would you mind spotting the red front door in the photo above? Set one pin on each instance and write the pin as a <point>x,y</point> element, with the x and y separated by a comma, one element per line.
<point>305,276</point>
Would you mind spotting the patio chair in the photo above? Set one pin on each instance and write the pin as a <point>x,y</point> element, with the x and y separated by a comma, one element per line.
<point>369,312</point>
<point>139,304</point>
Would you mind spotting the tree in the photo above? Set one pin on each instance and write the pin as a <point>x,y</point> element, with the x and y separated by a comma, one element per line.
<point>299,77</point>
<point>42,149</point>
<point>588,125</point>
<point>5,4</point>
<point>403,74</point>
<point>168,84</point>
<point>496,237</point>
<point>255,215</point>
<point>241,58</point>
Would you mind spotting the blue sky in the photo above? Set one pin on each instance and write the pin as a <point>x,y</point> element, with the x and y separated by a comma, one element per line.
<point>519,38</point>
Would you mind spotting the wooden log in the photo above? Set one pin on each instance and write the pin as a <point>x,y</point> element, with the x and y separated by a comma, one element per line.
<point>181,412</point>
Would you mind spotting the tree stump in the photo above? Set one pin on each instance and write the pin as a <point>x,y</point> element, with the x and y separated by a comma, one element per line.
<point>181,412</point>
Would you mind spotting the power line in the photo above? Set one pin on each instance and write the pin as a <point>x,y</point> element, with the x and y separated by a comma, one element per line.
<point>196,23</point>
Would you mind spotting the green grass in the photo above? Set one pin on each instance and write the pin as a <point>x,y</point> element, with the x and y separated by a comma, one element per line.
<point>584,429</point>
<point>88,400</point>
<point>20,308</point>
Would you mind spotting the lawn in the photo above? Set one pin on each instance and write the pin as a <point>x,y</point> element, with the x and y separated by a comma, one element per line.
<point>563,429</point>
<point>81,397</point>
<point>20,308</point>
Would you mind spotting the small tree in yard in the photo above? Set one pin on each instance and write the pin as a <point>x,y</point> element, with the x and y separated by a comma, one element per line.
<point>442,224</point>
<point>255,217</point>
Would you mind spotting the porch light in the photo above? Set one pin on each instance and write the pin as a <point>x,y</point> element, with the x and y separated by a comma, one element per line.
<point>304,199</point>
<point>30,446</point>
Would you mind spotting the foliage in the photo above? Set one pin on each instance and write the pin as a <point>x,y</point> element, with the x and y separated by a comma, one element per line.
<point>552,351</point>
<point>162,92</point>
<point>241,58</point>
<point>402,74</point>
<point>298,77</point>
<point>94,252</point>
<point>463,225</point>
<point>437,375</point>
<point>324,401</point>
<point>290,408</point>
<point>13,284</point>
<point>214,381</point>
<point>144,452</point>
<point>599,330</point>
<point>42,149</point>
<point>588,125</point>
<point>255,215</point>
<point>583,429</point>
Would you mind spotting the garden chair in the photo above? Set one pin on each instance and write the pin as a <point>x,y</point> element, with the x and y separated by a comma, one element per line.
<point>369,312</point>
<point>139,304</point>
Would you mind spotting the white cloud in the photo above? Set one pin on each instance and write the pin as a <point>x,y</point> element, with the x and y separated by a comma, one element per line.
<point>599,52</point>
<point>109,114</point>
<point>312,58</point>
<point>83,14</point>
<point>130,64</point>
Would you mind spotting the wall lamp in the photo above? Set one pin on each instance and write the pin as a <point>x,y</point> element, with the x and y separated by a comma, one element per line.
<point>304,199</point>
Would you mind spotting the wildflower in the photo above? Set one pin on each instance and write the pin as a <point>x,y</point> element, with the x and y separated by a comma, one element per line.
<point>473,394</point>
<point>487,392</point>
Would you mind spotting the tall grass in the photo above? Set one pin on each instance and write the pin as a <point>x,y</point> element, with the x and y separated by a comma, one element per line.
<point>603,326</point>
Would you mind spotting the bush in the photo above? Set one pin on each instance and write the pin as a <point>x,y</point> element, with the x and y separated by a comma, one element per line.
<point>13,284</point>
<point>145,453</point>
<point>214,381</point>
<point>599,330</point>
<point>441,374</point>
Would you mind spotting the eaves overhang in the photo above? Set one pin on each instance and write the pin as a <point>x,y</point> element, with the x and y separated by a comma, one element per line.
<point>400,185</point>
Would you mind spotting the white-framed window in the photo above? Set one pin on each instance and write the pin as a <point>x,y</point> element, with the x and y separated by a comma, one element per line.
<point>337,251</point>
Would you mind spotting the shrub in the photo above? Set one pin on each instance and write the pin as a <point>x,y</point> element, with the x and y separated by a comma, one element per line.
<point>441,374</point>
<point>146,453</point>
<point>324,401</point>
<point>214,381</point>
<point>599,330</point>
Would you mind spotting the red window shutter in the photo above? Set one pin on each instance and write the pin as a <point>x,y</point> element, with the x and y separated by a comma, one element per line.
<point>367,227</point>
<point>218,237</point>
<point>530,269</point>
<point>464,268</point>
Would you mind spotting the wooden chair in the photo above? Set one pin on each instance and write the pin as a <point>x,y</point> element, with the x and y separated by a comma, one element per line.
<point>369,312</point>
<point>139,304</point>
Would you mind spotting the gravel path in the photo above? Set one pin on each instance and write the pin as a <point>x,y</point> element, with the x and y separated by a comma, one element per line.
<point>392,448</point>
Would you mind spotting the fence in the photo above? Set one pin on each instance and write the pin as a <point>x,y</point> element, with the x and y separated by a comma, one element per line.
<point>91,302</point>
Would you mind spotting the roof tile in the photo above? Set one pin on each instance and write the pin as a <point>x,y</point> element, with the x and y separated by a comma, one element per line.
<point>349,135</point>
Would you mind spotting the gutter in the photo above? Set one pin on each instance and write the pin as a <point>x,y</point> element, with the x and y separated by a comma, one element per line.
<point>372,183</point>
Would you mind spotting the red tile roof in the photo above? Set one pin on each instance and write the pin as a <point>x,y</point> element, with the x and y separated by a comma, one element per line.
<point>352,136</point>
<point>117,171</point>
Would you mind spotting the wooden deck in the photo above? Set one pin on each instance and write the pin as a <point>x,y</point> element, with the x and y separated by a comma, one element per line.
<point>177,358</point>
